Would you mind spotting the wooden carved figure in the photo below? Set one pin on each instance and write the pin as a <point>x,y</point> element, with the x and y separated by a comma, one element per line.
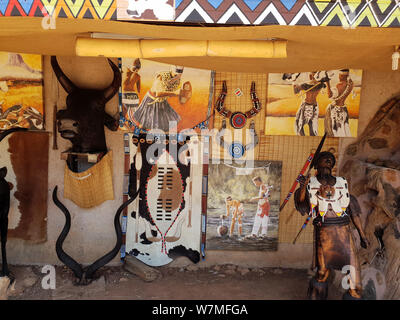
<point>327,199</point>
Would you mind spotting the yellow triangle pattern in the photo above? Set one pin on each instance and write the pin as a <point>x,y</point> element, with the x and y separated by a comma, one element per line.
<point>103,8</point>
<point>366,13</point>
<point>50,6</point>
<point>321,5</point>
<point>75,7</point>
<point>395,15</point>
<point>383,4</point>
<point>78,10</point>
<point>353,4</point>
<point>336,11</point>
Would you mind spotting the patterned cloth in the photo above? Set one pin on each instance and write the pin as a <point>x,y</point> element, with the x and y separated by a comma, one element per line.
<point>307,114</point>
<point>337,121</point>
<point>156,112</point>
<point>153,114</point>
<point>263,204</point>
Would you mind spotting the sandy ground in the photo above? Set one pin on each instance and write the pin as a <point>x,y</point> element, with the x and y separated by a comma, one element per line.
<point>220,282</point>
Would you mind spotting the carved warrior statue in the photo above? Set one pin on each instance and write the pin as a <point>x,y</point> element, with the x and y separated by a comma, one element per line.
<point>327,199</point>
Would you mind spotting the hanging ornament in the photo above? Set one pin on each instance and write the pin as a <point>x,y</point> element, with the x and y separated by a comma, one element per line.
<point>253,135</point>
<point>238,119</point>
<point>236,149</point>
<point>219,105</point>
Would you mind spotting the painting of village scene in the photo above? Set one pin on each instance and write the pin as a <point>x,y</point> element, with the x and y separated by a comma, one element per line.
<point>310,103</point>
<point>163,97</point>
<point>243,206</point>
<point>21,91</point>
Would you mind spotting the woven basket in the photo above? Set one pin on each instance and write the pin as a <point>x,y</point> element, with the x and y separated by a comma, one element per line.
<point>91,187</point>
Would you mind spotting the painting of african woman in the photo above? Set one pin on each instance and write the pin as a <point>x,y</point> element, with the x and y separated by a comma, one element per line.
<point>163,97</point>
<point>312,103</point>
<point>21,91</point>
<point>243,205</point>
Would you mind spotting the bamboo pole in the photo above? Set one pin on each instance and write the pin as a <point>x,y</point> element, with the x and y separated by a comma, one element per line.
<point>180,48</point>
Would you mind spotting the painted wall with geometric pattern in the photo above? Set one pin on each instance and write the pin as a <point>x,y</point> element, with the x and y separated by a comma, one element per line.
<point>349,14</point>
<point>354,13</point>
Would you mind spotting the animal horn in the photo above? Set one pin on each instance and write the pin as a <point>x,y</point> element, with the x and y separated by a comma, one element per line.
<point>90,270</point>
<point>114,87</point>
<point>66,83</point>
<point>61,254</point>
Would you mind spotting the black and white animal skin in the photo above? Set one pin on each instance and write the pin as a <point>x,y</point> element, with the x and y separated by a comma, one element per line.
<point>161,219</point>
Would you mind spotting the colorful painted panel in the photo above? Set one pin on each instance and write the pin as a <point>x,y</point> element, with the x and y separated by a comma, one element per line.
<point>155,10</point>
<point>311,103</point>
<point>164,222</point>
<point>243,205</point>
<point>349,14</point>
<point>161,96</point>
<point>79,9</point>
<point>25,155</point>
<point>21,91</point>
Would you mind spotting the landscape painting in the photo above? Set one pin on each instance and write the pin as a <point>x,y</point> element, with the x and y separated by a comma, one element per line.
<point>21,91</point>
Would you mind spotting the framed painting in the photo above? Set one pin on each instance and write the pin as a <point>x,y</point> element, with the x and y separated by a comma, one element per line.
<point>21,91</point>
<point>243,205</point>
<point>157,96</point>
<point>310,103</point>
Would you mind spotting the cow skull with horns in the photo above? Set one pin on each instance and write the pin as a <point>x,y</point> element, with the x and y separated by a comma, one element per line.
<point>83,121</point>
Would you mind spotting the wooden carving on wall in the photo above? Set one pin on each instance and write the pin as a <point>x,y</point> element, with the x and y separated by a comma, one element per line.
<point>82,122</point>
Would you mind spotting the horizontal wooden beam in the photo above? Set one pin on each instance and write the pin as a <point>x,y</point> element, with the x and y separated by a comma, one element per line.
<point>89,47</point>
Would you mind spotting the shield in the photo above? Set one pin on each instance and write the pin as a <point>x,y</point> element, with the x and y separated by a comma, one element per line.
<point>157,226</point>
<point>164,196</point>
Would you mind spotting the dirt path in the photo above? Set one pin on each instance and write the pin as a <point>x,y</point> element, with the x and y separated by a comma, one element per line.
<point>225,282</point>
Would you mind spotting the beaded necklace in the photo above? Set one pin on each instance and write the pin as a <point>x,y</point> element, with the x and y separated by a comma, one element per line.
<point>238,119</point>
